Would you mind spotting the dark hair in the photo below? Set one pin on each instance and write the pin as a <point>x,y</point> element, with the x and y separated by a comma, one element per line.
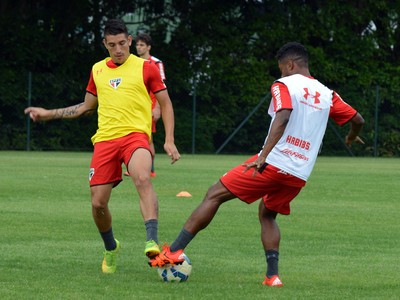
<point>145,38</point>
<point>292,50</point>
<point>114,27</point>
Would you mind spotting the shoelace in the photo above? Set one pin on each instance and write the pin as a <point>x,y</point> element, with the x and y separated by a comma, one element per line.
<point>157,262</point>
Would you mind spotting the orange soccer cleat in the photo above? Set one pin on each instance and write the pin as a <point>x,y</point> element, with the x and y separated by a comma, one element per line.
<point>273,281</point>
<point>167,257</point>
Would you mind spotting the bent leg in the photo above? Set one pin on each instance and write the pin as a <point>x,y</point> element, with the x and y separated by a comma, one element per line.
<point>139,168</point>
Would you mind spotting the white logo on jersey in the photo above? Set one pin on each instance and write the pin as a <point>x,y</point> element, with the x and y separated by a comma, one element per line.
<point>277,95</point>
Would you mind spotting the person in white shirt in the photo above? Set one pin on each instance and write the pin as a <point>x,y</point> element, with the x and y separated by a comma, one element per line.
<point>300,108</point>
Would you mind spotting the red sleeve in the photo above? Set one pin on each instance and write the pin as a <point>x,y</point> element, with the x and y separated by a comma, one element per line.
<point>280,97</point>
<point>160,66</point>
<point>341,112</point>
<point>152,78</point>
<point>91,87</point>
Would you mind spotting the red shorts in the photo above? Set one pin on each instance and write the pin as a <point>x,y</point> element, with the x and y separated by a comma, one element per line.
<point>276,187</point>
<point>108,157</point>
<point>153,126</point>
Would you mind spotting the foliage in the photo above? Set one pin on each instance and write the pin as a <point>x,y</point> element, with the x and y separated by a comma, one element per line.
<point>219,53</point>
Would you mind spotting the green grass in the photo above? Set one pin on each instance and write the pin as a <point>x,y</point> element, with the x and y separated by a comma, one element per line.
<point>340,242</point>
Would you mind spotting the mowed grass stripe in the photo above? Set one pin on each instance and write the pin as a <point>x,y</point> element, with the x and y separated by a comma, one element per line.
<point>340,242</point>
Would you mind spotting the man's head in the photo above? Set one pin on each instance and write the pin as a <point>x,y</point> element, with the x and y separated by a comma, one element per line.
<point>293,59</point>
<point>117,40</point>
<point>143,45</point>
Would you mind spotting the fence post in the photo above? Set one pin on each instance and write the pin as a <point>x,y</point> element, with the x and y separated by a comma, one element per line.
<point>194,119</point>
<point>376,122</point>
<point>243,123</point>
<point>28,120</point>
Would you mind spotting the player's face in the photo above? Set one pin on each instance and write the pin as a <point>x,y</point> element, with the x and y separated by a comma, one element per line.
<point>118,47</point>
<point>142,49</point>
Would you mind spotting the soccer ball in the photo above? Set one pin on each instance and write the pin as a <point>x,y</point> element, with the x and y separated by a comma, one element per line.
<point>176,273</point>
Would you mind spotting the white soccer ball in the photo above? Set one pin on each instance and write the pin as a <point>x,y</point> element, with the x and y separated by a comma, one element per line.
<point>176,273</point>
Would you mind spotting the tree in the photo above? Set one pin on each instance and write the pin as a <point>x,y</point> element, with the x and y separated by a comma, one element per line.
<point>222,52</point>
<point>57,42</point>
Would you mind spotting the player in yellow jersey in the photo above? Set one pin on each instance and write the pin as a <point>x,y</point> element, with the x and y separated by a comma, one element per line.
<point>119,89</point>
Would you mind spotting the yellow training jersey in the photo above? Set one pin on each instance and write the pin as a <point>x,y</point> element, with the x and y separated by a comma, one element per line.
<point>124,104</point>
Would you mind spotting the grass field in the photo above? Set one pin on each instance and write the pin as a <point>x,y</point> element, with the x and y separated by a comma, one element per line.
<point>341,241</point>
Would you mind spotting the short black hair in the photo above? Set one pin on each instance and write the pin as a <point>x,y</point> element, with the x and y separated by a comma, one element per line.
<point>145,38</point>
<point>292,50</point>
<point>114,27</point>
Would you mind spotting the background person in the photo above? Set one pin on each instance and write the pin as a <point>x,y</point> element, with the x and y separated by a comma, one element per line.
<point>300,109</point>
<point>143,47</point>
<point>123,135</point>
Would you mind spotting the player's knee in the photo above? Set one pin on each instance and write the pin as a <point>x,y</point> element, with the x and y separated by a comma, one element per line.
<point>218,193</point>
<point>98,206</point>
<point>141,180</point>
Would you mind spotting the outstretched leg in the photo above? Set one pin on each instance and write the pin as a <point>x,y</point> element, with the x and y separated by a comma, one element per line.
<point>198,220</point>
<point>205,212</point>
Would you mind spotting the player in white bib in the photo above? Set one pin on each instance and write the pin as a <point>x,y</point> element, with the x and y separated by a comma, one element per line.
<point>300,109</point>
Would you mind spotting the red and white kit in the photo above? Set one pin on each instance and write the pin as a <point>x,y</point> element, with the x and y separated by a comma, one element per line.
<point>311,103</point>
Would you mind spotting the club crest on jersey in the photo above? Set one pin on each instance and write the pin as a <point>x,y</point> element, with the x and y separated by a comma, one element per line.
<point>115,82</point>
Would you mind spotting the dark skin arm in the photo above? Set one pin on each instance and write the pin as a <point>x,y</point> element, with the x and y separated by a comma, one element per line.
<point>277,129</point>
<point>356,124</point>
